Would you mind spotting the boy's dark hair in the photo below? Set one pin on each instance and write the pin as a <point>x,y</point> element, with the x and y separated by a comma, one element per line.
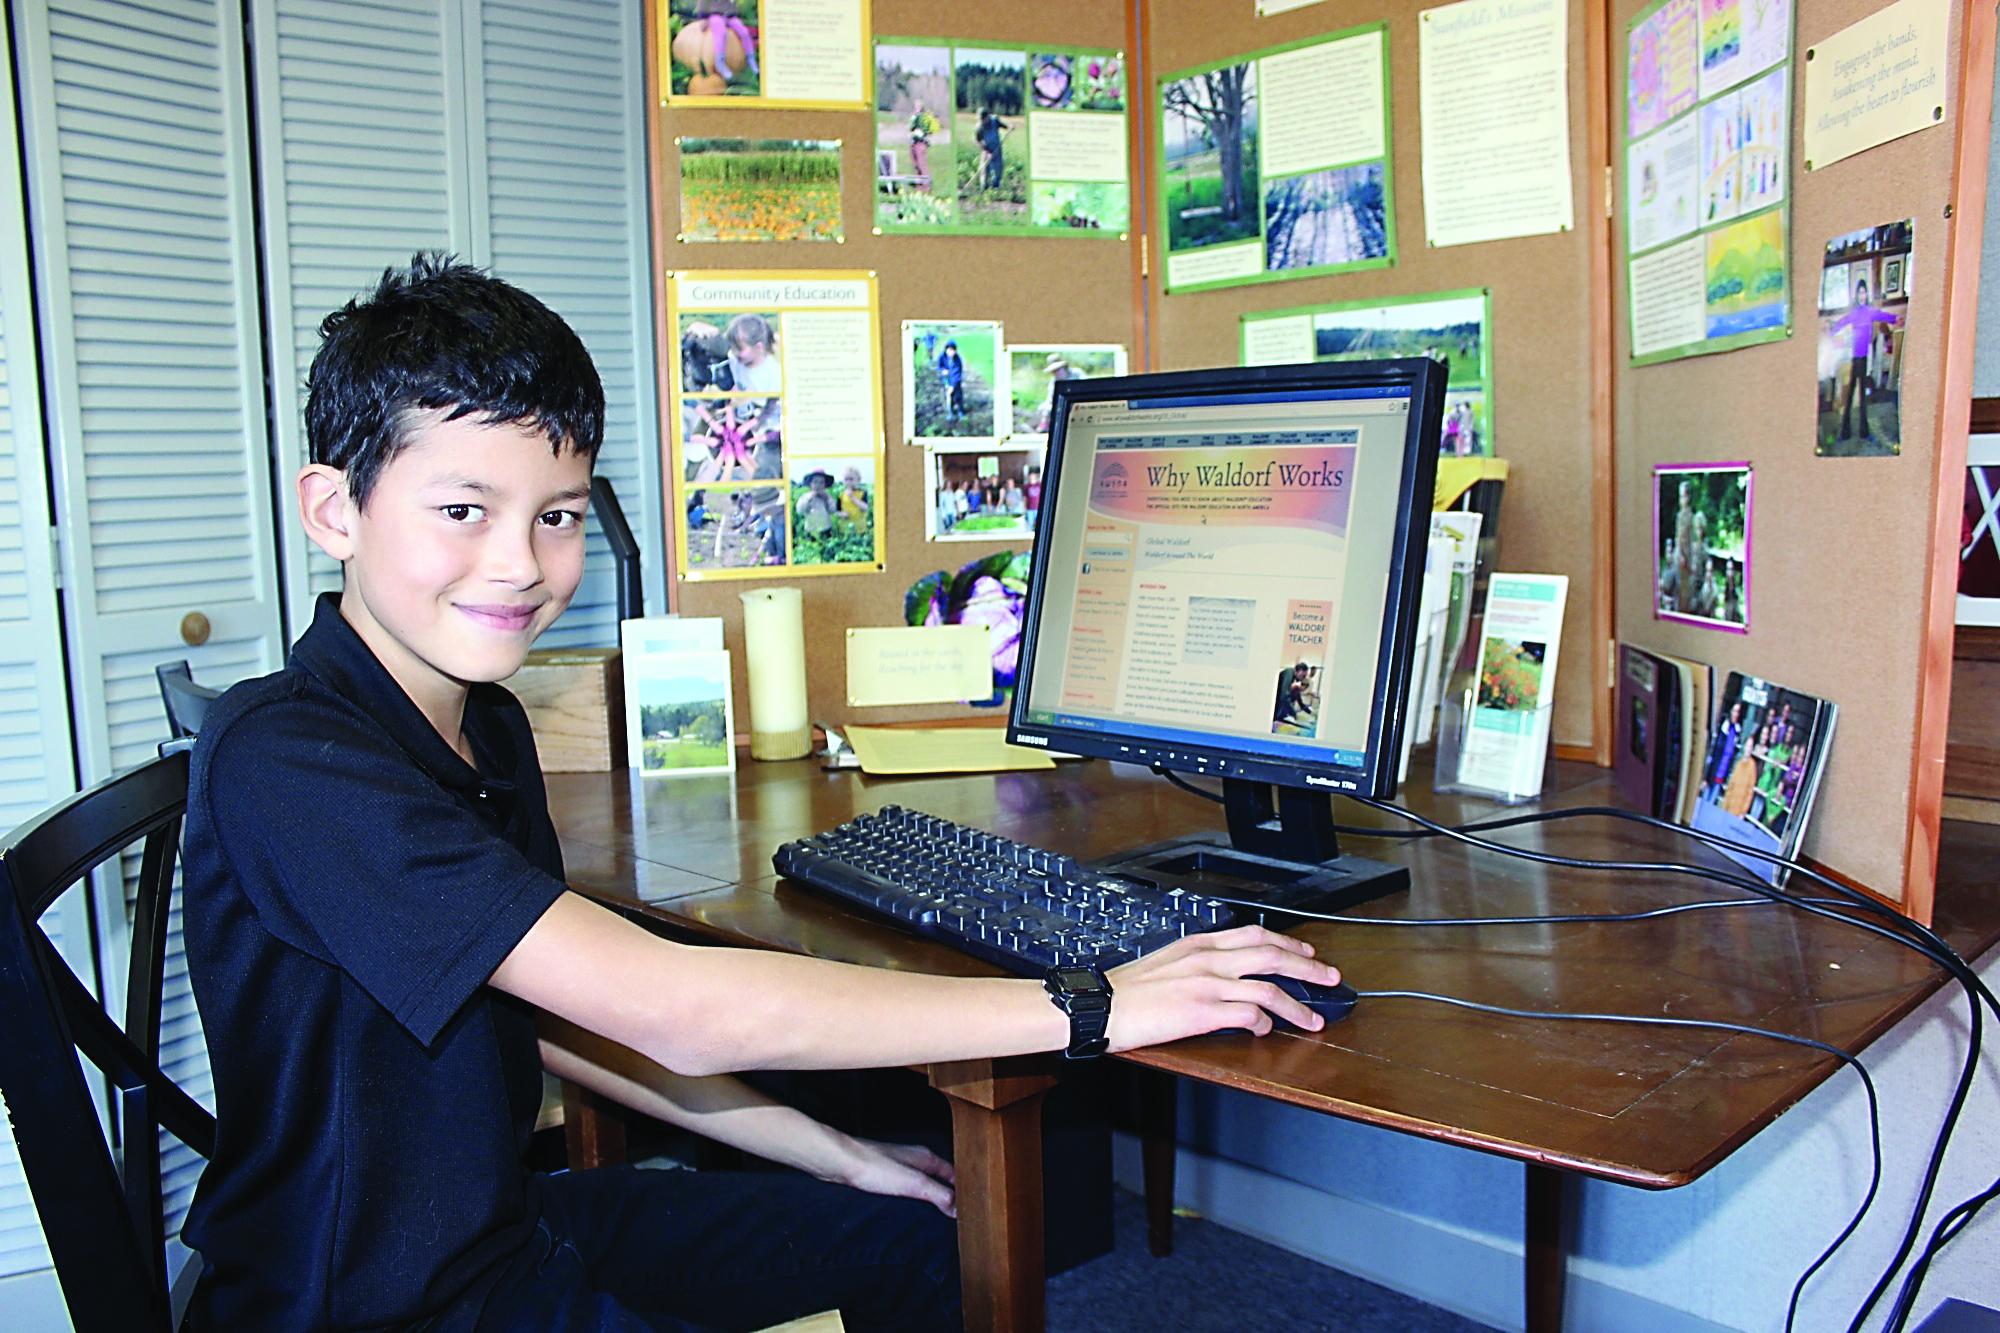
<point>444,336</point>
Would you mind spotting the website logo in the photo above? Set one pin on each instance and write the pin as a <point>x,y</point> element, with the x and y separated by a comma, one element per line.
<point>1113,480</point>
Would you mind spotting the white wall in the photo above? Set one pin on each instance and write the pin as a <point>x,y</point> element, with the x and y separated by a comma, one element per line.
<point>1445,1224</point>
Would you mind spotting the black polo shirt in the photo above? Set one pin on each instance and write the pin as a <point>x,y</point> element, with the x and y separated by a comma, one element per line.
<point>351,882</point>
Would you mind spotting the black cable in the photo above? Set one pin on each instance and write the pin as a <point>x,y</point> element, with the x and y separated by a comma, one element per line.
<point>1948,1227</point>
<point>1902,930</point>
<point>1867,1084</point>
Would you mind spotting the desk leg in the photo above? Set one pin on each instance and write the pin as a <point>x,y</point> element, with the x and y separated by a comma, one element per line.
<point>1159,1139</point>
<point>593,1129</point>
<point>1547,1257</point>
<point>996,1120</point>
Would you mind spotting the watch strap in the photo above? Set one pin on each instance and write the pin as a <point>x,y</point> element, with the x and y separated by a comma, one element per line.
<point>1088,1007</point>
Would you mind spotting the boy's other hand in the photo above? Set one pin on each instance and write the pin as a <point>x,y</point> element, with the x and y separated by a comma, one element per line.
<point>1198,984</point>
<point>900,1170</point>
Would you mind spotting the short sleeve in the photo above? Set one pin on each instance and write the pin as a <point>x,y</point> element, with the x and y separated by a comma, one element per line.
<point>351,853</point>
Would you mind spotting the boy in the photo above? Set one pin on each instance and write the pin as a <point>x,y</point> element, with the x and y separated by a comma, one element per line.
<point>385,956</point>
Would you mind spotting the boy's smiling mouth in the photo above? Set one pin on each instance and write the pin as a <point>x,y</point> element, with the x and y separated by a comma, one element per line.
<point>510,618</point>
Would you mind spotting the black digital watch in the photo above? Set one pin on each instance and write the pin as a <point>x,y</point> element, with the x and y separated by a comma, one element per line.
<point>1083,994</point>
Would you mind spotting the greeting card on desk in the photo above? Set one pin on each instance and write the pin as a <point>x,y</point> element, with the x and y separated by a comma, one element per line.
<point>894,751</point>
<point>919,664</point>
<point>1764,763</point>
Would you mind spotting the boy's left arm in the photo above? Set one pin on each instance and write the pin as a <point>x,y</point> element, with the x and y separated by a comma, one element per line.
<point>731,1112</point>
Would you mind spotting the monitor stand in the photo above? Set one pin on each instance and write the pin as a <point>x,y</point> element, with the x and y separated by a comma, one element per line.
<point>1280,857</point>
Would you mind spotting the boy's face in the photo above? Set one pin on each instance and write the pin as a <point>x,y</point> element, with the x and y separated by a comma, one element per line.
<point>470,546</point>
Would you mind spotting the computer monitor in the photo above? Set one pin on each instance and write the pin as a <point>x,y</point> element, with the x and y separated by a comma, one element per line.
<point>1226,575</point>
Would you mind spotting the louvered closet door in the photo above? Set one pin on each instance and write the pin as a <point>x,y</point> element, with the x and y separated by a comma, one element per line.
<point>366,156</point>
<point>36,768</point>
<point>136,134</point>
<point>565,140</point>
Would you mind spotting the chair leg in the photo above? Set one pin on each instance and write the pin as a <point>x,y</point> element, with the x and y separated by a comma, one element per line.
<point>1159,1115</point>
<point>593,1129</point>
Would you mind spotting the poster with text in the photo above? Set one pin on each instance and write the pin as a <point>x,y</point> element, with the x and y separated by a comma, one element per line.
<point>1276,165</point>
<point>808,54</point>
<point>1452,327</point>
<point>775,435</point>
<point>982,139</point>
<point>1708,120</point>
<point>1864,303</point>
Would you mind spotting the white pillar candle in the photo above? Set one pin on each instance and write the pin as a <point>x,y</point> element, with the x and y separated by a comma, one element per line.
<point>774,638</point>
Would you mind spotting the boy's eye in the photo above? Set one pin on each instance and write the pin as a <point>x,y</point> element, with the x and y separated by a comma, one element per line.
<point>462,513</point>
<point>561,518</point>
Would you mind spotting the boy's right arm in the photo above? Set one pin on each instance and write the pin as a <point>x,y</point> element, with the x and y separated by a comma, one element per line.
<point>702,1010</point>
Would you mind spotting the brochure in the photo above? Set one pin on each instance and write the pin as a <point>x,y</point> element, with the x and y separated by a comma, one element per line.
<point>1501,731</point>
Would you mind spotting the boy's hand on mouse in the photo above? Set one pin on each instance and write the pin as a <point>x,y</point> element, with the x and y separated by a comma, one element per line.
<point>898,1170</point>
<point>1198,984</point>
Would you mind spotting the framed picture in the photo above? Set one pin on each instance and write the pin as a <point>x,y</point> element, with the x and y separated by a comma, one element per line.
<point>1894,270</point>
<point>678,718</point>
<point>1701,544</point>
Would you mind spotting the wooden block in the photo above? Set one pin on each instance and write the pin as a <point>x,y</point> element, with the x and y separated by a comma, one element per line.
<point>575,699</point>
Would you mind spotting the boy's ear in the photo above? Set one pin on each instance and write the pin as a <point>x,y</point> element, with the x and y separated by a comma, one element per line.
<point>326,509</point>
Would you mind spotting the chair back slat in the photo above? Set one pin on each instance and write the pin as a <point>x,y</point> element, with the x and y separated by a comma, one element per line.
<point>105,1233</point>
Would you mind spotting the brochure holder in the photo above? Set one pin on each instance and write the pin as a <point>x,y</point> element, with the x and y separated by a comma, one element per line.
<point>1502,768</point>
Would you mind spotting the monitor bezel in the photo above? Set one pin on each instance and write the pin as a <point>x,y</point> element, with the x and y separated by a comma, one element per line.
<point>1376,776</point>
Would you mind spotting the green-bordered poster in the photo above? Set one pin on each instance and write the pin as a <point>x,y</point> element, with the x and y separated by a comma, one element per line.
<point>984,139</point>
<point>1453,327</point>
<point>1276,164</point>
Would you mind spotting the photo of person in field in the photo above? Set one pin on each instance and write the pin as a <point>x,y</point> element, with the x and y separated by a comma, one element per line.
<point>991,131</point>
<point>914,161</point>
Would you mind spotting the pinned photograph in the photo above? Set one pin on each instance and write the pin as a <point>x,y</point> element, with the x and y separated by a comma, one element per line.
<point>983,494</point>
<point>677,713</point>
<point>952,379</point>
<point>730,352</point>
<point>1701,537</point>
<point>1745,276</point>
<point>1336,216</point>
<point>833,511</point>
<point>991,133</point>
<point>913,136</point>
<point>731,439</point>
<point>1034,368</point>
<point>712,49</point>
<point>1209,136</point>
<point>1863,301</point>
<point>734,527</point>
<point>760,190</point>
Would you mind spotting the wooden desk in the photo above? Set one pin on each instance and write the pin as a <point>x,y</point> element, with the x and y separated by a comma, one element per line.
<point>1653,1108</point>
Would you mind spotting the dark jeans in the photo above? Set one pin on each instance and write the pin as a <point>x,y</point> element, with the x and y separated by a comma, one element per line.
<point>620,1250</point>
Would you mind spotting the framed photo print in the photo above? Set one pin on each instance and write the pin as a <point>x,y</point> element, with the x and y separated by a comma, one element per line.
<point>1701,544</point>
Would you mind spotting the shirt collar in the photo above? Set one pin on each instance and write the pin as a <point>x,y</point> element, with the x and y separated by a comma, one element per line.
<point>333,653</point>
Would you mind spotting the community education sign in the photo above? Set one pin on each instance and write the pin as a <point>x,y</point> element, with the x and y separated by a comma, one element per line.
<point>1876,81</point>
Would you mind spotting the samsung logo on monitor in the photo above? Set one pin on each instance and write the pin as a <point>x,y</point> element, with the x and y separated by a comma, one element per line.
<point>1031,740</point>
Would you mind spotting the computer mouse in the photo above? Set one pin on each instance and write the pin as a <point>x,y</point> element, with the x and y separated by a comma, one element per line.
<point>1332,1003</point>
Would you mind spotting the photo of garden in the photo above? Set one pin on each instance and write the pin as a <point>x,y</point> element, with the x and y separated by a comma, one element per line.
<point>833,511</point>
<point>913,136</point>
<point>950,373</point>
<point>990,133</point>
<point>1510,674</point>
<point>760,190</point>
<point>683,723</point>
<point>1325,217</point>
<point>1209,138</point>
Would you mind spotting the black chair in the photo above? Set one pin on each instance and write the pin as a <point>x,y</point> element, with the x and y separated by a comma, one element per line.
<point>187,702</point>
<point>99,1201</point>
<point>624,547</point>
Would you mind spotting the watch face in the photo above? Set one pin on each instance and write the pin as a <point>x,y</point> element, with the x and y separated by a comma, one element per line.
<point>1076,979</point>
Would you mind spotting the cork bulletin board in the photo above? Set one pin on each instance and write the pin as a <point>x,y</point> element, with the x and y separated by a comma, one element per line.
<point>1846,549</point>
<point>1042,289</point>
<point>1545,392</point>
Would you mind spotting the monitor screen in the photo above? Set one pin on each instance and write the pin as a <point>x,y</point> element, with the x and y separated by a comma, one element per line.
<point>1226,570</point>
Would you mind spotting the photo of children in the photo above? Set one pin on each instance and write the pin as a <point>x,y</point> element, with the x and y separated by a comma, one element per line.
<point>1701,537</point>
<point>951,379</point>
<point>990,89</point>
<point>712,47</point>
<point>1034,368</point>
<point>737,353</point>
<point>731,439</point>
<point>760,190</point>
<point>740,527</point>
<point>913,136</point>
<point>981,495</point>
<point>1296,710</point>
<point>833,511</point>
<point>1763,758</point>
<point>1863,300</point>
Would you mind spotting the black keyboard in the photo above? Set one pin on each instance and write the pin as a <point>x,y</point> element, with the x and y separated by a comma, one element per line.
<point>1019,906</point>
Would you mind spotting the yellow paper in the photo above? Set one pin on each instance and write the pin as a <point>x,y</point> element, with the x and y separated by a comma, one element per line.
<point>888,751</point>
<point>919,664</point>
<point>1878,80</point>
